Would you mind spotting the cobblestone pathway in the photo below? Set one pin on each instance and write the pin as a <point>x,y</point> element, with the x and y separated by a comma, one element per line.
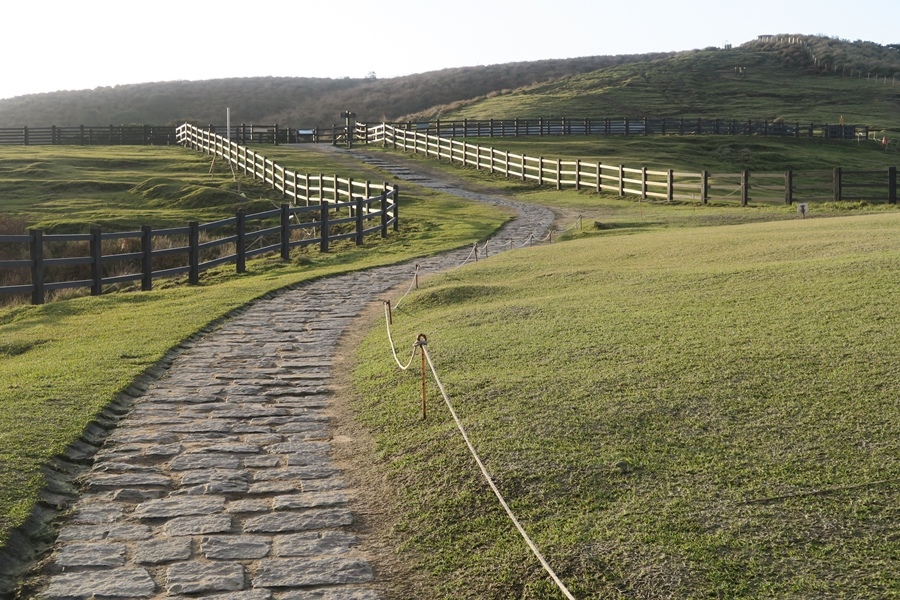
<point>219,483</point>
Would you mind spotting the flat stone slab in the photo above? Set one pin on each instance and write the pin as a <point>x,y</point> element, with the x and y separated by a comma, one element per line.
<point>127,480</point>
<point>130,582</point>
<point>181,526</point>
<point>101,554</point>
<point>154,552</point>
<point>179,507</point>
<point>97,513</point>
<point>309,500</point>
<point>299,521</point>
<point>236,547</point>
<point>109,532</point>
<point>278,572</point>
<point>194,577</point>
<point>313,543</point>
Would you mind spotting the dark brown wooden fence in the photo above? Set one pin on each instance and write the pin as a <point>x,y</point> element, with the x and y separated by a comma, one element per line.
<point>157,135</point>
<point>472,128</point>
<point>702,187</point>
<point>187,250</point>
<point>280,134</point>
<point>324,210</point>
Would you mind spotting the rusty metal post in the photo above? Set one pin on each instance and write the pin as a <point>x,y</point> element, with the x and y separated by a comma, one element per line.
<point>422,341</point>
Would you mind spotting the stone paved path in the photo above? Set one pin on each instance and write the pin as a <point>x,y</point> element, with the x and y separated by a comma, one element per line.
<point>219,483</point>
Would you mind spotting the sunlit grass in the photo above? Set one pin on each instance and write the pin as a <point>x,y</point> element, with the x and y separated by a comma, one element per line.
<point>687,413</point>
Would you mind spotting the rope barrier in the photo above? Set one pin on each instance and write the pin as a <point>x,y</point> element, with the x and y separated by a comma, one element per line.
<point>387,320</point>
<point>412,285</point>
<point>490,481</point>
<point>422,345</point>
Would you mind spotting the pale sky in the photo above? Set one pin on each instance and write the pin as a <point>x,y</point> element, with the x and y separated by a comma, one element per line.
<point>50,45</point>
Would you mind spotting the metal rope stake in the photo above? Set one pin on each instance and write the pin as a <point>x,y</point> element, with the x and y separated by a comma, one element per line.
<point>421,342</point>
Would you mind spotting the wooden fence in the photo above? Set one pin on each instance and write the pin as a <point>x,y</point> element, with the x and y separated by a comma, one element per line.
<point>127,135</point>
<point>279,134</point>
<point>632,127</point>
<point>332,209</point>
<point>156,135</point>
<point>703,187</point>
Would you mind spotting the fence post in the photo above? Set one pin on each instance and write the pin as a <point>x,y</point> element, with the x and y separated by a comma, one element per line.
<point>396,207</point>
<point>25,135</point>
<point>285,232</point>
<point>577,174</point>
<point>194,253</point>
<point>96,261</point>
<point>643,183</point>
<point>745,188</point>
<point>892,185</point>
<point>621,181</point>
<point>147,258</point>
<point>384,214</point>
<point>789,187</point>
<point>704,187</point>
<point>359,222</point>
<point>599,177</point>
<point>241,243</point>
<point>670,185</point>
<point>837,184</point>
<point>559,174</point>
<point>323,218</point>
<point>37,266</point>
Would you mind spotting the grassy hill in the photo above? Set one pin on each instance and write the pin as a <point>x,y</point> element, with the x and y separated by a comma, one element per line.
<point>758,80</point>
<point>805,78</point>
<point>287,100</point>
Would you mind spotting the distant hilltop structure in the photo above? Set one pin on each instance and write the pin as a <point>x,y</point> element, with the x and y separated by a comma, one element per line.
<point>765,38</point>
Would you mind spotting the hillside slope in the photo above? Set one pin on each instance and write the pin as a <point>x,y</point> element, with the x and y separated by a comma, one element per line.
<point>797,78</point>
<point>288,100</point>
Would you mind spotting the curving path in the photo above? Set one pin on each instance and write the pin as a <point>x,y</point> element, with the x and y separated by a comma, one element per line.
<point>219,483</point>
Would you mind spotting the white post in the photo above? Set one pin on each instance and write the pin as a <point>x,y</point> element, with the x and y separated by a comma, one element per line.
<point>228,124</point>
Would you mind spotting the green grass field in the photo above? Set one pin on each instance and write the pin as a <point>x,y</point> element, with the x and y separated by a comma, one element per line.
<point>714,153</point>
<point>687,413</point>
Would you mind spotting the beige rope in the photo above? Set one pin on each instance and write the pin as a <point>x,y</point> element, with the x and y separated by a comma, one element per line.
<point>490,482</point>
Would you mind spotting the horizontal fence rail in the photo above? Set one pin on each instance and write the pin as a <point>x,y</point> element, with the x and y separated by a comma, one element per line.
<point>785,187</point>
<point>285,134</point>
<point>324,210</point>
<point>472,128</point>
<point>164,135</point>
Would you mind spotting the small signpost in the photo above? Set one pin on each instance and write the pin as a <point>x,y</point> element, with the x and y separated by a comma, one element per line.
<point>348,126</point>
